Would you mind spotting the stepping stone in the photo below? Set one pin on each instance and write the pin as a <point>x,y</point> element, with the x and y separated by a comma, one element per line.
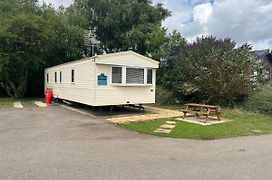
<point>18,104</point>
<point>166,131</point>
<point>40,103</point>
<point>167,126</point>
<point>257,131</point>
<point>170,122</point>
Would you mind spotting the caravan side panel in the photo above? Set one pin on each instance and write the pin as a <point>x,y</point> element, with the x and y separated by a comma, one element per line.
<point>81,90</point>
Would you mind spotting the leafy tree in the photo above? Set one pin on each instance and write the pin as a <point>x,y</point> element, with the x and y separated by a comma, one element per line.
<point>21,44</point>
<point>168,54</point>
<point>32,38</point>
<point>215,69</point>
<point>125,24</point>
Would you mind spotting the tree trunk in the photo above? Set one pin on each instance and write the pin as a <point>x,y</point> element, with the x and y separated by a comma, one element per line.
<point>16,90</point>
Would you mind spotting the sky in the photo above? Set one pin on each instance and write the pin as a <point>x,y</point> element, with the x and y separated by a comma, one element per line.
<point>244,21</point>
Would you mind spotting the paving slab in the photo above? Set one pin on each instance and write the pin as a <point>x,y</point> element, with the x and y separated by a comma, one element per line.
<point>18,105</point>
<point>196,120</point>
<point>40,104</point>
<point>151,114</point>
<point>160,130</point>
<point>167,126</point>
<point>257,131</point>
<point>170,122</point>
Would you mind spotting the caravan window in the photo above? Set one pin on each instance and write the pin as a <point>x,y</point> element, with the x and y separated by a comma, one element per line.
<point>72,75</point>
<point>55,77</point>
<point>116,74</point>
<point>47,77</point>
<point>134,76</point>
<point>149,76</point>
<point>60,76</point>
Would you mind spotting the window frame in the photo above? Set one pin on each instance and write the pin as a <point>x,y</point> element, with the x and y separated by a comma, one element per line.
<point>122,76</point>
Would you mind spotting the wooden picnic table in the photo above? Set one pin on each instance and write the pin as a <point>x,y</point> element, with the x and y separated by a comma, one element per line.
<point>201,109</point>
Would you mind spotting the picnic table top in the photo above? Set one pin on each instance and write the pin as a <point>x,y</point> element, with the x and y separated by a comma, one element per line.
<point>201,105</point>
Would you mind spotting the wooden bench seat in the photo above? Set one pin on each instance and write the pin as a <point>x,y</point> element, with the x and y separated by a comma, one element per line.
<point>201,109</point>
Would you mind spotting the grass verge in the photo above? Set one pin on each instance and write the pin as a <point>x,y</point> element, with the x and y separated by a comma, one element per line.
<point>243,124</point>
<point>8,102</point>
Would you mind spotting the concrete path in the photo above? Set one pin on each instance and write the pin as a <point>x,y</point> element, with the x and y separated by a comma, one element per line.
<point>56,143</point>
<point>152,113</point>
<point>18,105</point>
<point>40,104</point>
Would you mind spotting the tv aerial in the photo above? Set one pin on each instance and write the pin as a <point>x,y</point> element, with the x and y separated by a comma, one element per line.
<point>90,41</point>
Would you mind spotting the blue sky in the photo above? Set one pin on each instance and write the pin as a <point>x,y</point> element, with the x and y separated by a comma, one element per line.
<point>241,20</point>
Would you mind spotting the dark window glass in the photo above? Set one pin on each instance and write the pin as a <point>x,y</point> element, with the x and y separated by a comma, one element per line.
<point>72,75</point>
<point>47,77</point>
<point>55,76</point>
<point>60,76</point>
<point>116,75</point>
<point>134,76</point>
<point>149,76</point>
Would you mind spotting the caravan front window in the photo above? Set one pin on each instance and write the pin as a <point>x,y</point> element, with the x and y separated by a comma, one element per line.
<point>134,76</point>
<point>116,74</point>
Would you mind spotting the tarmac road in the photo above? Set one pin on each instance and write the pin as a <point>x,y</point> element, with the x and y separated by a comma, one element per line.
<point>55,143</point>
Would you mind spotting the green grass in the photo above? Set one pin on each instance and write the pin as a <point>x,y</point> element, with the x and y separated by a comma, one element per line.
<point>27,102</point>
<point>243,124</point>
<point>8,102</point>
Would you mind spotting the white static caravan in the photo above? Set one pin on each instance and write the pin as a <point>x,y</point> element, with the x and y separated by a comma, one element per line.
<point>124,78</point>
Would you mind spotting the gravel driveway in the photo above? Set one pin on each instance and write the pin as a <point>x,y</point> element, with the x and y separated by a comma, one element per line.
<point>55,143</point>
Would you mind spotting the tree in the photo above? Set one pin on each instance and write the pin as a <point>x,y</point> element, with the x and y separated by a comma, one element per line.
<point>125,24</point>
<point>31,38</point>
<point>21,43</point>
<point>214,68</point>
<point>167,55</point>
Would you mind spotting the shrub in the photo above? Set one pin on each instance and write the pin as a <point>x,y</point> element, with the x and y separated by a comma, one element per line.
<point>164,96</point>
<point>217,70</point>
<point>260,101</point>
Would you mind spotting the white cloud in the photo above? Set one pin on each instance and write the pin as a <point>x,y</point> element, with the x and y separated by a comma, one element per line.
<point>202,13</point>
<point>241,20</point>
<point>58,3</point>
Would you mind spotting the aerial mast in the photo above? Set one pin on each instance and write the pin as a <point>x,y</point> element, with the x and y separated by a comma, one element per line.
<point>90,39</point>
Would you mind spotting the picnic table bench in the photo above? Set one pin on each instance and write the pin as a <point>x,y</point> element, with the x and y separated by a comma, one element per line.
<point>201,109</point>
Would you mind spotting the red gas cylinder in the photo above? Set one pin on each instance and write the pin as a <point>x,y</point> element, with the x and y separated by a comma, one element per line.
<point>48,96</point>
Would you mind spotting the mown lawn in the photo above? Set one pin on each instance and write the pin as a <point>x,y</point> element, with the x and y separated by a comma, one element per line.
<point>243,124</point>
<point>8,102</point>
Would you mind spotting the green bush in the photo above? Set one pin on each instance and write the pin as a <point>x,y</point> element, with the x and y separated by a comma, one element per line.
<point>216,69</point>
<point>164,96</point>
<point>260,101</point>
